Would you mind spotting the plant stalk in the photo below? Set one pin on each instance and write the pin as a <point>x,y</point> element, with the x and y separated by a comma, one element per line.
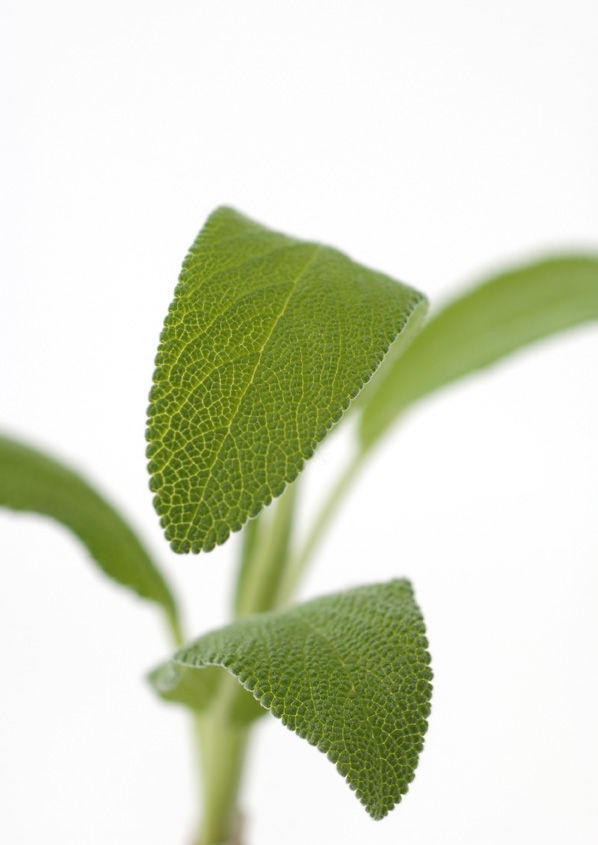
<point>222,748</point>
<point>174,628</point>
<point>265,557</point>
<point>297,565</point>
<point>267,579</point>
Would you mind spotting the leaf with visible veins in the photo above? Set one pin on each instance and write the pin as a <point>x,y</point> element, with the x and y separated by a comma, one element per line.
<point>349,672</point>
<point>265,344</point>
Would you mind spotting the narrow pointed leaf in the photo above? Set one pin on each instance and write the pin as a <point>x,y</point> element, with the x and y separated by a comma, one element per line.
<point>265,344</point>
<point>484,325</point>
<point>348,672</point>
<point>33,481</point>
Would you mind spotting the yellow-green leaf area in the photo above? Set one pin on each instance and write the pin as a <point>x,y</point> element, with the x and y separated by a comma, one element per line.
<point>266,342</point>
<point>349,672</point>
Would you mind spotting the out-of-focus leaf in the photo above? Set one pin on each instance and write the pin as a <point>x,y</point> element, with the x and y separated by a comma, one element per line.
<point>33,481</point>
<point>482,326</point>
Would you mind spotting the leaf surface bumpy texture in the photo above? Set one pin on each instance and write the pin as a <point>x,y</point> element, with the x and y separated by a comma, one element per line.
<point>265,344</point>
<point>349,672</point>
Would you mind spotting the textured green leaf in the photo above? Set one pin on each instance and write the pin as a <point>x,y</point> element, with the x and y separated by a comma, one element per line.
<point>265,344</point>
<point>348,672</point>
<point>491,321</point>
<point>32,481</point>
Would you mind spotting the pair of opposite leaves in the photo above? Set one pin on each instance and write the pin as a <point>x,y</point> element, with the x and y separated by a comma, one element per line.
<point>265,345</point>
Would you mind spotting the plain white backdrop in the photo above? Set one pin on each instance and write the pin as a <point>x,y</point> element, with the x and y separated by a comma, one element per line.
<point>435,141</point>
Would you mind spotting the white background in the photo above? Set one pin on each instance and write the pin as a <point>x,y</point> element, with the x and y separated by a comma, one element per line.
<point>433,140</point>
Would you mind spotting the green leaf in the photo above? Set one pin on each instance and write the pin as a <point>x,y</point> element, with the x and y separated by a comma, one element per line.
<point>265,344</point>
<point>491,321</point>
<point>348,672</point>
<point>199,690</point>
<point>32,481</point>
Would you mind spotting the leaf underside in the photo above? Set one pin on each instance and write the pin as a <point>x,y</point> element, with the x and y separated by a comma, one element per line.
<point>348,672</point>
<point>265,344</point>
<point>33,481</point>
<point>491,321</point>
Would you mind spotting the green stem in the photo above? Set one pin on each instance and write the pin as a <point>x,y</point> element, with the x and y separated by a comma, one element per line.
<point>296,567</point>
<point>265,556</point>
<point>222,749</point>
<point>222,742</point>
<point>174,628</point>
<point>267,579</point>
<point>250,542</point>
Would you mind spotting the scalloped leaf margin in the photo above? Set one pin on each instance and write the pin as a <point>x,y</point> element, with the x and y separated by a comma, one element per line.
<point>348,672</point>
<point>267,341</point>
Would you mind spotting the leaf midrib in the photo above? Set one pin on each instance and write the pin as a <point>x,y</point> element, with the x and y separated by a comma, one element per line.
<point>317,250</point>
<point>205,329</point>
<point>364,710</point>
